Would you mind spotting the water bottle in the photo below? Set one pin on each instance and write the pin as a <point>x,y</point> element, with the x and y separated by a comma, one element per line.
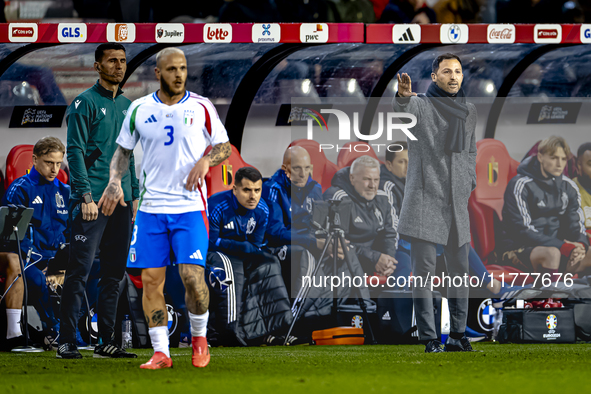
<point>126,333</point>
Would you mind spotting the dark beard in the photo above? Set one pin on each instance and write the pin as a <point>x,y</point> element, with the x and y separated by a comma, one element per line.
<point>166,88</point>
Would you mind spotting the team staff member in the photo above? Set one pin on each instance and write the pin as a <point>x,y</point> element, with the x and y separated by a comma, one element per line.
<point>94,120</point>
<point>441,175</point>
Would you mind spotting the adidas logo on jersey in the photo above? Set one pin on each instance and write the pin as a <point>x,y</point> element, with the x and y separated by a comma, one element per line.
<point>37,200</point>
<point>386,316</point>
<point>541,204</point>
<point>151,119</point>
<point>196,255</point>
<point>229,226</point>
<point>358,220</point>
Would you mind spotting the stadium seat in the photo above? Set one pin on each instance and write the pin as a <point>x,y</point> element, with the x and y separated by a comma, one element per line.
<point>323,169</point>
<point>221,177</point>
<point>494,170</point>
<point>20,161</point>
<point>346,157</point>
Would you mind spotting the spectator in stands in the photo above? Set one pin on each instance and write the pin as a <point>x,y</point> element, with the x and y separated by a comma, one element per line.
<point>539,11</point>
<point>9,270</point>
<point>583,181</point>
<point>49,197</point>
<point>458,11</point>
<point>543,223</point>
<point>289,195</point>
<point>372,228</point>
<point>408,11</point>
<point>240,271</point>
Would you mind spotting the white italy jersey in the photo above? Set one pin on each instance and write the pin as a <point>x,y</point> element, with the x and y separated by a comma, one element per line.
<point>174,138</point>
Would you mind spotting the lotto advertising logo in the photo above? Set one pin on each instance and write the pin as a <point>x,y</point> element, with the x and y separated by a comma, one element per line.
<point>22,32</point>
<point>71,32</point>
<point>314,32</point>
<point>266,33</point>
<point>406,34</point>
<point>547,34</point>
<point>170,32</point>
<point>453,34</point>
<point>217,32</point>
<point>500,34</point>
<point>120,32</point>
<point>586,34</point>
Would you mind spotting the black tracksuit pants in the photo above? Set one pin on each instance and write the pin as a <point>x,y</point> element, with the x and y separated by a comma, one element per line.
<point>112,235</point>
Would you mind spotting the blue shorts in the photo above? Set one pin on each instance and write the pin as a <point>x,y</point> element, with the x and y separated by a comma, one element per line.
<point>159,238</point>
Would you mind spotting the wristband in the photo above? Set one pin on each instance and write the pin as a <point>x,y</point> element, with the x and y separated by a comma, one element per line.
<point>566,249</point>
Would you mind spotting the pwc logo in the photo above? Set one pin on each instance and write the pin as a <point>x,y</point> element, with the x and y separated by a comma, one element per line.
<point>586,34</point>
<point>217,32</point>
<point>120,32</point>
<point>547,34</point>
<point>500,34</point>
<point>314,32</point>
<point>22,32</point>
<point>71,32</point>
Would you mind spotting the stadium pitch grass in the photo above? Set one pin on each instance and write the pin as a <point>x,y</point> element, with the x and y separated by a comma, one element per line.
<point>534,368</point>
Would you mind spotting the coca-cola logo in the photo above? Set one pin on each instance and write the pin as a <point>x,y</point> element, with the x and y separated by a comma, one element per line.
<point>547,33</point>
<point>217,34</point>
<point>504,34</point>
<point>22,32</point>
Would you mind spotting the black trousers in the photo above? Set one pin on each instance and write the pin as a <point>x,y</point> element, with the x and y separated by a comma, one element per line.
<point>111,235</point>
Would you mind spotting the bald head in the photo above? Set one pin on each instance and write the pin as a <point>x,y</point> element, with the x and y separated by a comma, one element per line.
<point>163,55</point>
<point>297,165</point>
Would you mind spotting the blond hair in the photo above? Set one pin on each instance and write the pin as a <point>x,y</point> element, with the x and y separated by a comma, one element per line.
<point>550,144</point>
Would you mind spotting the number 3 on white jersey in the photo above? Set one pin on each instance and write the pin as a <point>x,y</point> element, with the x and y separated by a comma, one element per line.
<point>170,134</point>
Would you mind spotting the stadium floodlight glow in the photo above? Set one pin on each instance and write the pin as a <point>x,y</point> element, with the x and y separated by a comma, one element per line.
<point>306,85</point>
<point>351,85</point>
<point>490,88</point>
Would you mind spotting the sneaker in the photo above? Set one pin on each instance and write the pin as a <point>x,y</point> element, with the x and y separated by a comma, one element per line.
<point>158,361</point>
<point>271,340</point>
<point>200,352</point>
<point>294,341</point>
<point>111,350</point>
<point>433,346</point>
<point>50,340</point>
<point>68,351</point>
<point>458,345</point>
<point>13,343</point>
<point>185,340</point>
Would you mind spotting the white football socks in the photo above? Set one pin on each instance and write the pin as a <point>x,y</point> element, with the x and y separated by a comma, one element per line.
<point>13,325</point>
<point>199,324</point>
<point>159,338</point>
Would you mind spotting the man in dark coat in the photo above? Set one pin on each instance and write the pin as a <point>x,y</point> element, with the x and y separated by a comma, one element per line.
<point>441,175</point>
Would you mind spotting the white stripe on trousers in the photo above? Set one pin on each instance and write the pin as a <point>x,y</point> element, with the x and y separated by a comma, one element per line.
<point>231,288</point>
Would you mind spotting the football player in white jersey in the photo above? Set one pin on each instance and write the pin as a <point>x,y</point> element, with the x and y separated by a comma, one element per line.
<point>175,127</point>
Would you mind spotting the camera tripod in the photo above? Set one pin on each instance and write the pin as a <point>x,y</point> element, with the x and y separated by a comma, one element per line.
<point>335,234</point>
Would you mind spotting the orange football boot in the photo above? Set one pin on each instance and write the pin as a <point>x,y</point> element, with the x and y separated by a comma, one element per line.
<point>200,352</point>
<point>158,361</point>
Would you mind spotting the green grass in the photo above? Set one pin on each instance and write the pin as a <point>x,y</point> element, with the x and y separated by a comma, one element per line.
<point>313,369</point>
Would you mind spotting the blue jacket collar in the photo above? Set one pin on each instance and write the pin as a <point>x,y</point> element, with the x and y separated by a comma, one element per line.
<point>37,179</point>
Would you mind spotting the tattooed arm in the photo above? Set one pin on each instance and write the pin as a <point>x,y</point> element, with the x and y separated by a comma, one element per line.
<point>113,194</point>
<point>218,154</point>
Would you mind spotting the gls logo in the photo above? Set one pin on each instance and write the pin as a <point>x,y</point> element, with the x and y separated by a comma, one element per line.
<point>314,32</point>
<point>71,32</point>
<point>345,125</point>
<point>586,34</point>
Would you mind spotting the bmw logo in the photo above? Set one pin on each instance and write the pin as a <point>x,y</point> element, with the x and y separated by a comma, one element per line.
<point>172,319</point>
<point>454,33</point>
<point>486,315</point>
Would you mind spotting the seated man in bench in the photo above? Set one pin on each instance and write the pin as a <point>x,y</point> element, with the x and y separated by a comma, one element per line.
<point>242,275</point>
<point>49,197</point>
<point>583,181</point>
<point>543,223</point>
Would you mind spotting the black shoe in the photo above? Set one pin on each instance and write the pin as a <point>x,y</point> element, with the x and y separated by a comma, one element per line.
<point>111,350</point>
<point>433,346</point>
<point>458,345</point>
<point>13,343</point>
<point>68,351</point>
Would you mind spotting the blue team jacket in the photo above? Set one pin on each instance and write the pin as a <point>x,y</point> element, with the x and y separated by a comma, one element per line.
<point>50,219</point>
<point>290,206</point>
<point>233,229</point>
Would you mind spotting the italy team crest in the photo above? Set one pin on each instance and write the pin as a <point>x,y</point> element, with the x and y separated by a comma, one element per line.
<point>189,116</point>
